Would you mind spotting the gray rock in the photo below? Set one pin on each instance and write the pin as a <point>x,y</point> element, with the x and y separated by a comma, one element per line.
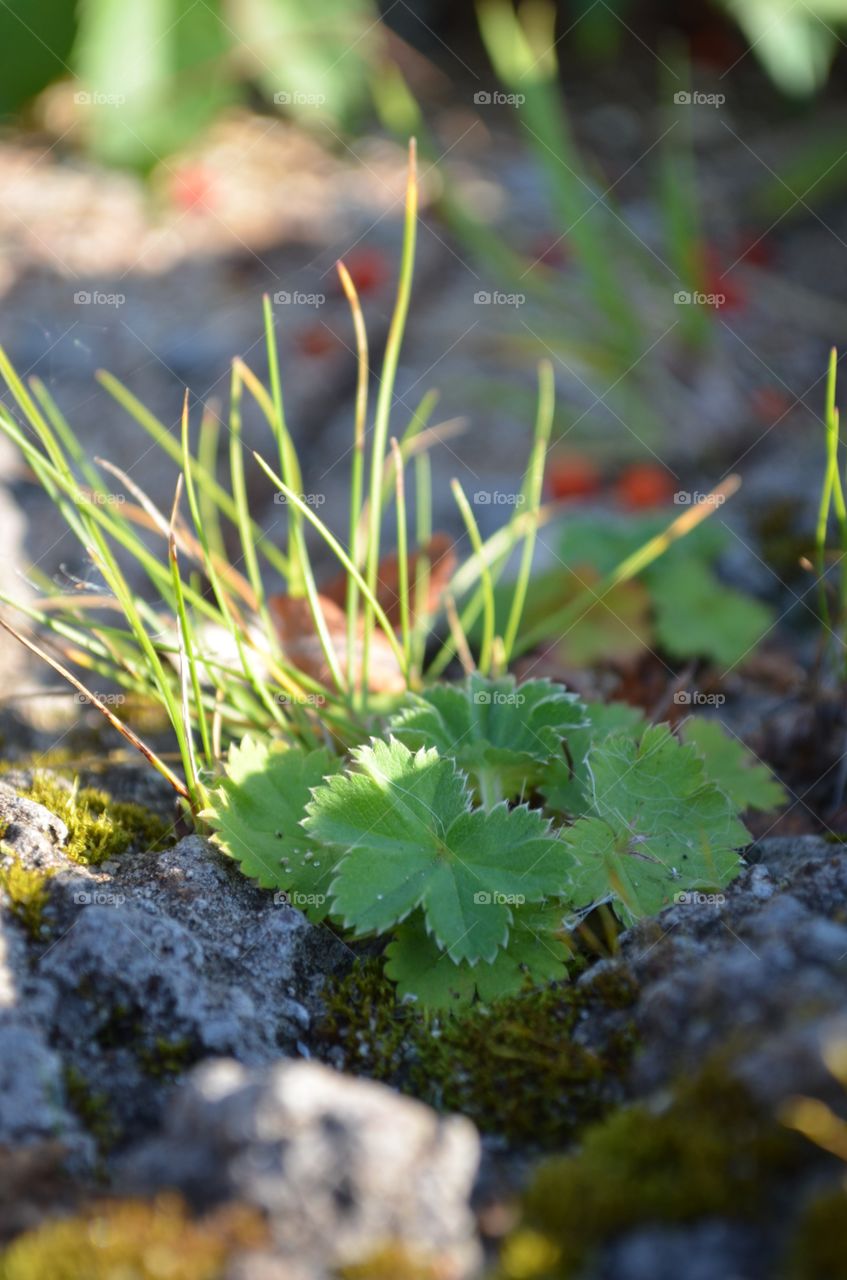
<point>31,1088</point>
<point>340,1166</point>
<point>149,965</point>
<point>706,1251</point>
<point>767,964</point>
<point>33,832</point>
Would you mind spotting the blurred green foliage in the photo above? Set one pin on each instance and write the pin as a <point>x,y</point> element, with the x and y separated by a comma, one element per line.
<point>151,73</point>
<point>36,37</point>
<point>795,43</point>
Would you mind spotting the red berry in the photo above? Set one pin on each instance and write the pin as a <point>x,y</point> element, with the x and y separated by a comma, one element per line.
<point>367,267</point>
<point>573,476</point>
<point>644,484</point>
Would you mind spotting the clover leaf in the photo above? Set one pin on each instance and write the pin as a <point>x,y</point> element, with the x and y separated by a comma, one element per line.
<point>408,837</point>
<point>256,814</point>
<point>499,732</point>
<point>658,826</point>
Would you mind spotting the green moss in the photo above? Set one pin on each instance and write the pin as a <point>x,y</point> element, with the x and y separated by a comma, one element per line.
<point>133,1240</point>
<point>27,891</point>
<point>99,827</point>
<point>710,1152</point>
<point>393,1262</point>
<point>92,1109</point>
<point>817,1249</point>
<point>363,1020</point>
<point>166,1057</point>
<point>514,1067</point>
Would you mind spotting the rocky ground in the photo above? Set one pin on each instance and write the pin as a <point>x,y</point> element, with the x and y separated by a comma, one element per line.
<point>196,1082</point>
<point>167,1028</point>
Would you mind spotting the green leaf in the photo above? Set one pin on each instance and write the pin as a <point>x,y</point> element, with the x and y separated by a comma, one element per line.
<point>409,839</point>
<point>311,59</point>
<point>566,785</point>
<point>660,827</point>
<point>497,731</point>
<point>156,73</point>
<point>256,814</point>
<point>698,616</point>
<point>535,954</point>
<point>614,628</point>
<point>732,767</point>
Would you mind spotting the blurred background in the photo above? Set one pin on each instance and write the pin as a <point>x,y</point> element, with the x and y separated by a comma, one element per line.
<point>652,196</point>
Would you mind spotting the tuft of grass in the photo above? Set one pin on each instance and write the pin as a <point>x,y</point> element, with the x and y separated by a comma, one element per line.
<point>209,653</point>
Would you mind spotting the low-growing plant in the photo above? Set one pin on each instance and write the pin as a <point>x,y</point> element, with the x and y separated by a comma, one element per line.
<point>677,604</point>
<point>413,838</point>
<point>465,827</point>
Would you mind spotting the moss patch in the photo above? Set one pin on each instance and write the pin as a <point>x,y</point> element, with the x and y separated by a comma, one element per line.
<point>166,1058</point>
<point>27,891</point>
<point>712,1151</point>
<point>514,1066</point>
<point>99,827</point>
<point>92,1109</point>
<point>393,1262</point>
<point>817,1249</point>
<point>133,1240</point>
